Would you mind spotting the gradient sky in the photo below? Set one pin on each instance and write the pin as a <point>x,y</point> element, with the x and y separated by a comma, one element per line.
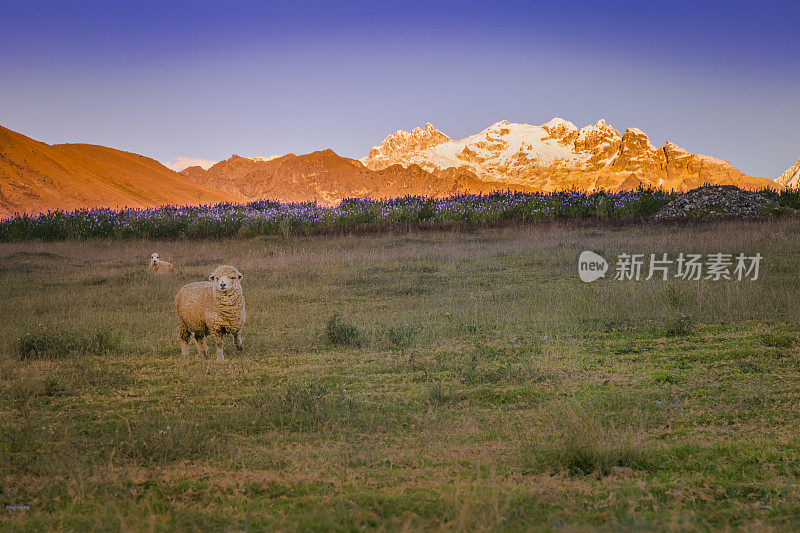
<point>208,79</point>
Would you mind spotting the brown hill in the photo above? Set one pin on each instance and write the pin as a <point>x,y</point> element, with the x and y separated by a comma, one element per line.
<point>327,178</point>
<point>37,177</point>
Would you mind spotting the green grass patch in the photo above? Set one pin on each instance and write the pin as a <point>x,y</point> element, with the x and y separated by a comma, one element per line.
<point>60,344</point>
<point>341,333</point>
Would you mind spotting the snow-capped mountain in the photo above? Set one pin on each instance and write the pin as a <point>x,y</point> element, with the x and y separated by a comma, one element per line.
<point>554,156</point>
<point>557,155</point>
<point>402,142</point>
<point>791,178</point>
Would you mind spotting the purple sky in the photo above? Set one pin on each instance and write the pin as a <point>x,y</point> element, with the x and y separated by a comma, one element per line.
<point>208,79</point>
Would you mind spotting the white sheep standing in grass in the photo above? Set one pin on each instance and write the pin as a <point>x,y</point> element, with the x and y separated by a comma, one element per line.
<point>157,266</point>
<point>211,308</point>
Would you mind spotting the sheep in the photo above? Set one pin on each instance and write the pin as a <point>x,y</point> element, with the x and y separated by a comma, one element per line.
<point>157,266</point>
<point>211,308</point>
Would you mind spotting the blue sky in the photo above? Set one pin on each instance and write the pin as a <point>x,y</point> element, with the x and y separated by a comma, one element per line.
<point>208,79</point>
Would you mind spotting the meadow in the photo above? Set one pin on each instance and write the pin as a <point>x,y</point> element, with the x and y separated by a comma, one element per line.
<point>446,379</point>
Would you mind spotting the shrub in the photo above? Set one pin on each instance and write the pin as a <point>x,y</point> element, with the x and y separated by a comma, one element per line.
<point>438,395</point>
<point>678,326</point>
<point>340,333</point>
<point>665,376</point>
<point>61,343</point>
<point>469,371</point>
<point>788,198</point>
<point>403,336</point>
<point>778,340</point>
<point>583,446</point>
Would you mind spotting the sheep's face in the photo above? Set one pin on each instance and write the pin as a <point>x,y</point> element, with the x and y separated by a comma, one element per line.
<point>225,278</point>
<point>153,258</point>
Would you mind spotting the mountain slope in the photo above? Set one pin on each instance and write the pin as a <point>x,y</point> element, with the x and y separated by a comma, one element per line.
<point>557,155</point>
<point>37,177</point>
<point>327,178</point>
<point>791,178</point>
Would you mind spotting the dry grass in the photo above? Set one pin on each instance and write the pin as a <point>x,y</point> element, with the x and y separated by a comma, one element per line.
<point>488,389</point>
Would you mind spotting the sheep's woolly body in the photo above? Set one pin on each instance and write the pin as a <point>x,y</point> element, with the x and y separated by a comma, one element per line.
<point>157,266</point>
<point>206,310</point>
<point>161,267</point>
<point>203,310</point>
<point>231,309</point>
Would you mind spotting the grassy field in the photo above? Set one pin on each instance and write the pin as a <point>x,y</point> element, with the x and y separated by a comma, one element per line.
<point>430,380</point>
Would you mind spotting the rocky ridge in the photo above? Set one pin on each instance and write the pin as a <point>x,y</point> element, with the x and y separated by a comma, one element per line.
<point>327,178</point>
<point>557,156</point>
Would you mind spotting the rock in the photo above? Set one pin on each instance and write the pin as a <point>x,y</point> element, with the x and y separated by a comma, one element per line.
<point>722,201</point>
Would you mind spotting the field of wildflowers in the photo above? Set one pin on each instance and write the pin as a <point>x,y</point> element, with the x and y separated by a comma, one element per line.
<point>268,217</point>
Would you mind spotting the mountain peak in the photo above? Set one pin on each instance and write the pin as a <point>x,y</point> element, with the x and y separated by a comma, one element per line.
<point>558,122</point>
<point>600,125</point>
<point>560,128</point>
<point>502,125</point>
<point>403,142</point>
<point>259,159</point>
<point>636,138</point>
<point>791,178</point>
<point>590,137</point>
<point>674,147</point>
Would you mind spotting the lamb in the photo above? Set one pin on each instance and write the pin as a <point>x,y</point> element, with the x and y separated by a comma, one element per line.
<point>157,266</point>
<point>211,308</point>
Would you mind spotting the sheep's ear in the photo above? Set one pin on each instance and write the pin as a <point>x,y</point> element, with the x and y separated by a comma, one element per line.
<point>210,278</point>
<point>240,276</point>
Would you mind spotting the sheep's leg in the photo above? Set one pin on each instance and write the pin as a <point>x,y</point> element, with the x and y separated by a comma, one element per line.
<point>202,347</point>
<point>185,348</point>
<point>237,339</point>
<point>218,341</point>
<point>183,333</point>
